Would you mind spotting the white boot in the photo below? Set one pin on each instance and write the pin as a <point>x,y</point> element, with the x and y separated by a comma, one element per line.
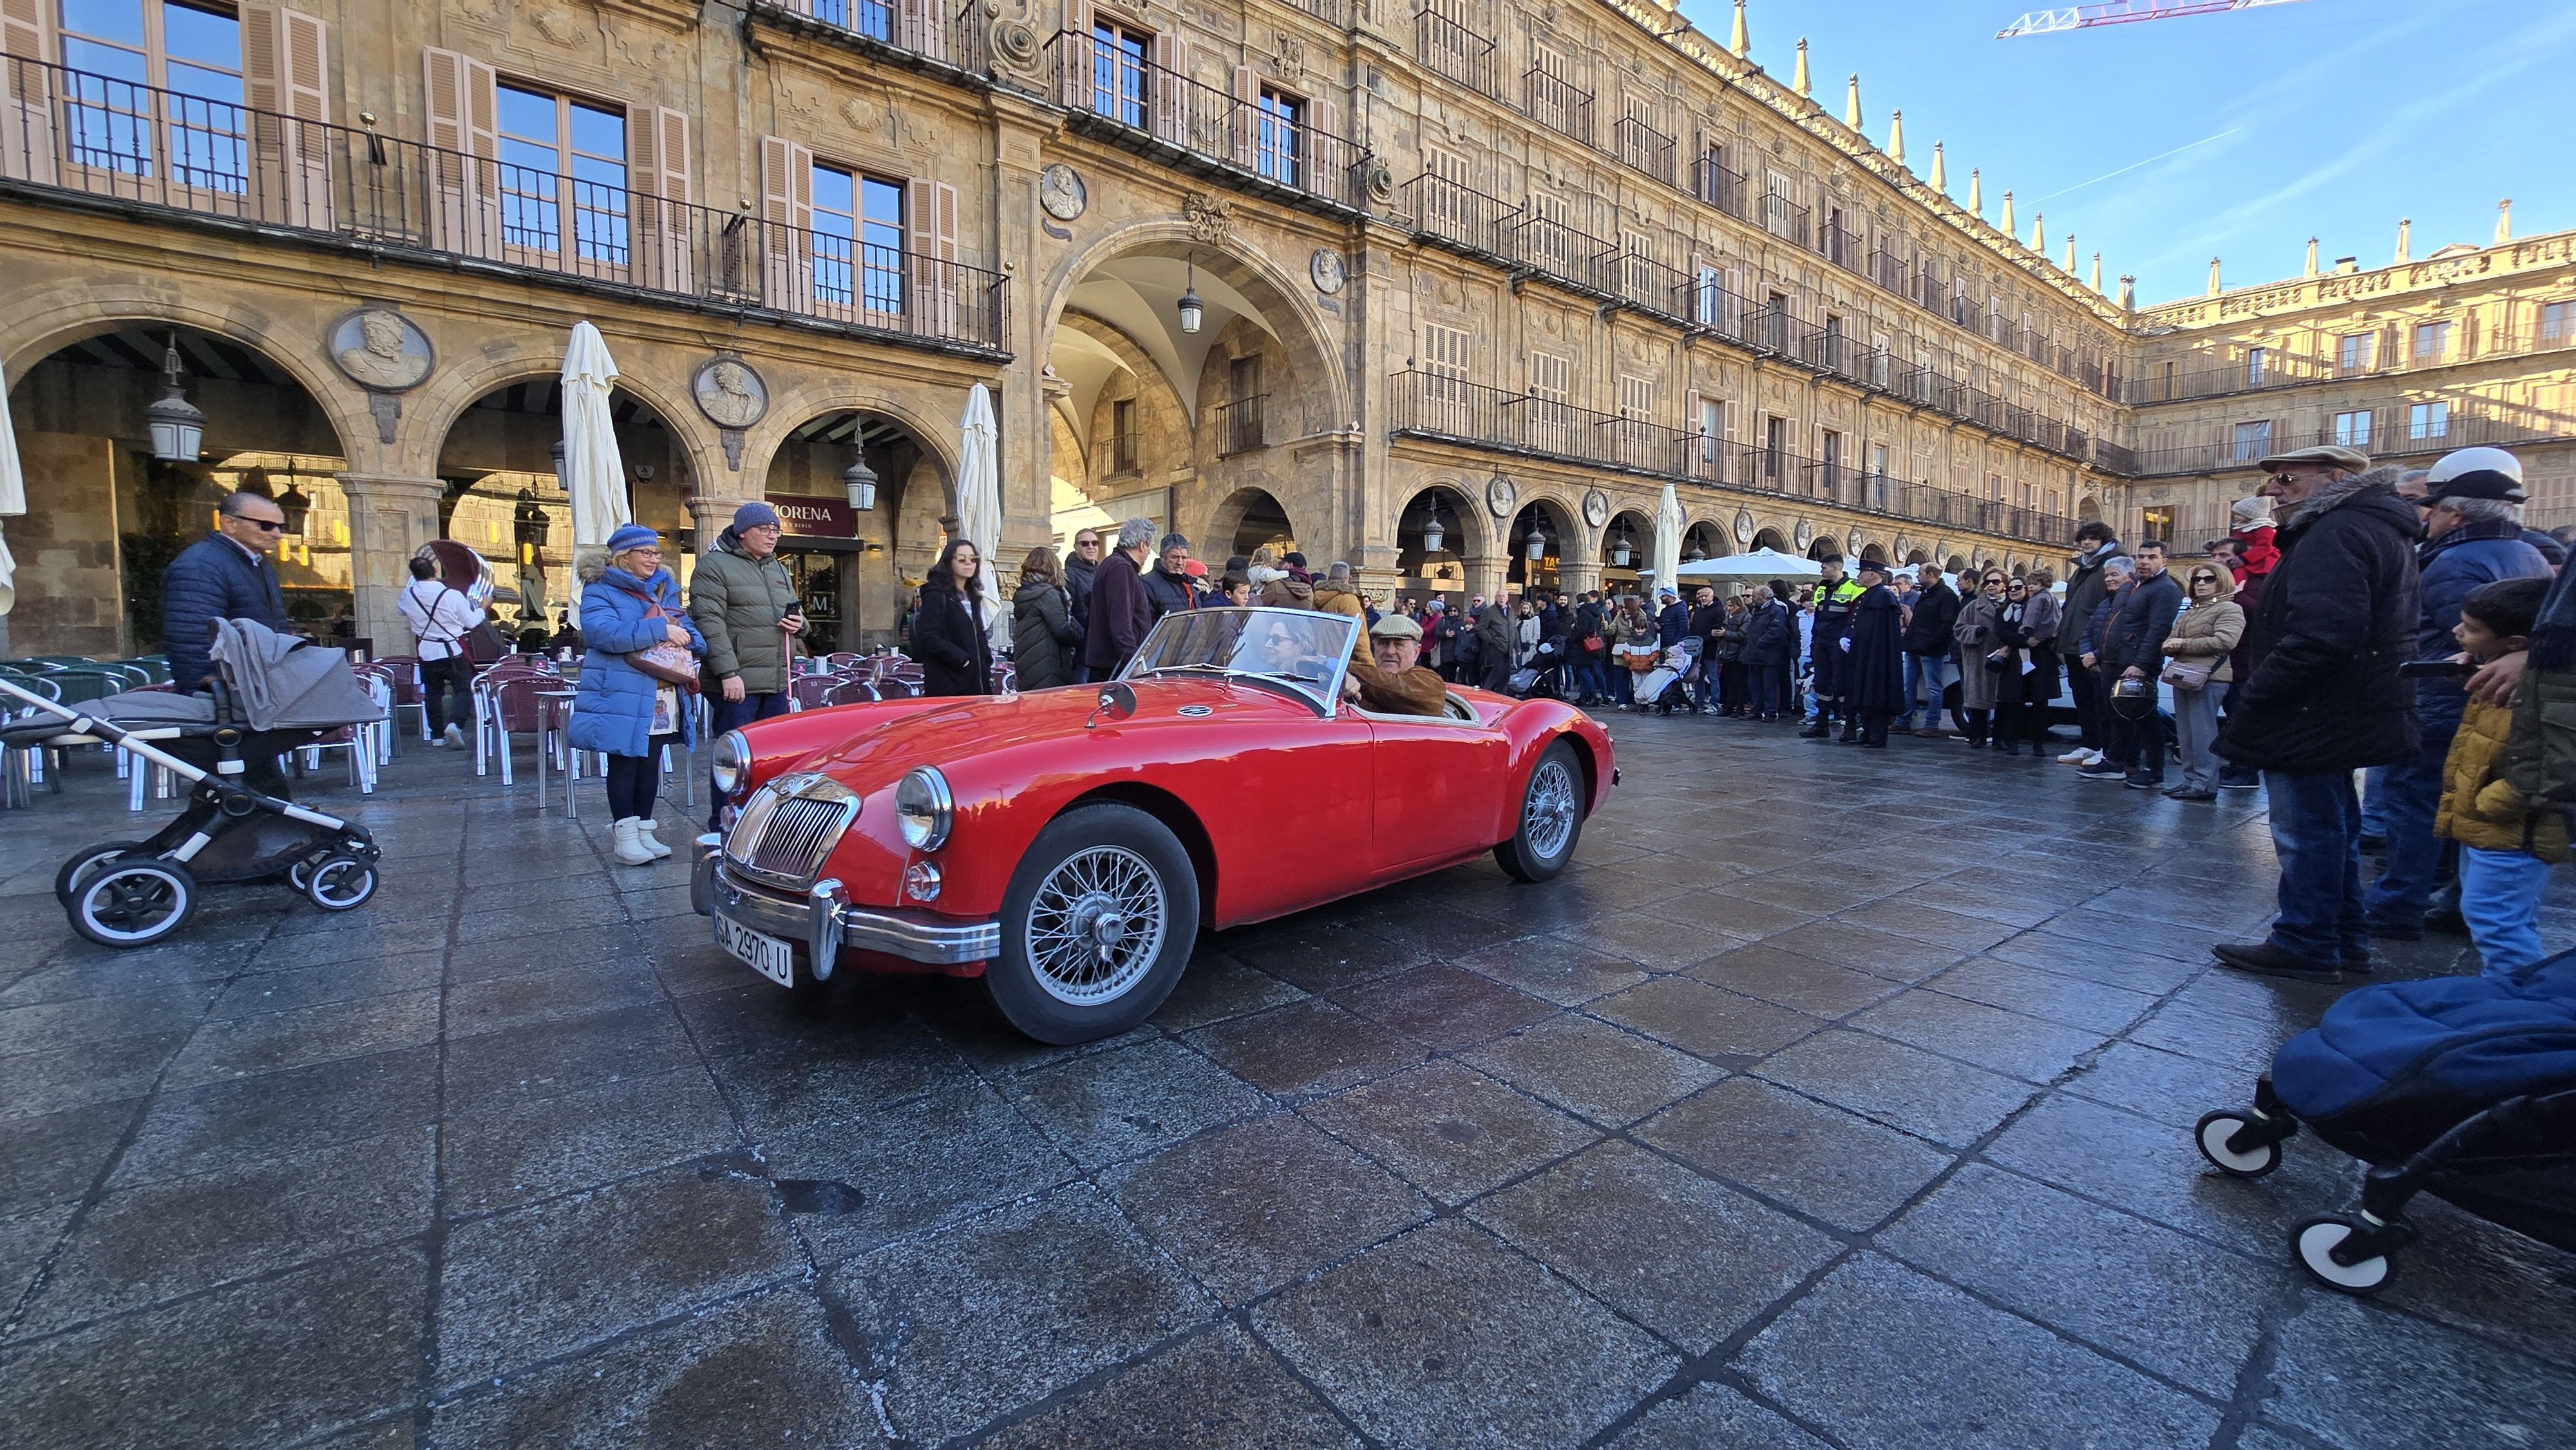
<point>651,839</point>
<point>630,849</point>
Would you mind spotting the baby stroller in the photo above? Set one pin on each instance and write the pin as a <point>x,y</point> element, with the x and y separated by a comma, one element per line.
<point>271,693</point>
<point>2461,1087</point>
<point>1665,688</point>
<point>1544,676</point>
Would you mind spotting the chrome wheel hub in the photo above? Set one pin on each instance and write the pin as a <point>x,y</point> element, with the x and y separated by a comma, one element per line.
<point>1548,815</point>
<point>1096,925</point>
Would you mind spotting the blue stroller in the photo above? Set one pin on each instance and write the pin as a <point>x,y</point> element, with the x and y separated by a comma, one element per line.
<point>2461,1087</point>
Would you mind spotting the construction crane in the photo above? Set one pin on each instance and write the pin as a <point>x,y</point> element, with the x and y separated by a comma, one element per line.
<point>2121,12</point>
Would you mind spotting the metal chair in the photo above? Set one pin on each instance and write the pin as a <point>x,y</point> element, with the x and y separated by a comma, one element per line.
<point>503,707</point>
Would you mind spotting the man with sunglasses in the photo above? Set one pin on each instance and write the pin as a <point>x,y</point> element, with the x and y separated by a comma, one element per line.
<point>225,575</point>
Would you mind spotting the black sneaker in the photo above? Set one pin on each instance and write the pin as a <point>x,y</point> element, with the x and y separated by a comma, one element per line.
<point>2264,959</point>
<point>2239,779</point>
<point>2446,920</point>
<point>2104,771</point>
<point>1816,731</point>
<point>2140,780</point>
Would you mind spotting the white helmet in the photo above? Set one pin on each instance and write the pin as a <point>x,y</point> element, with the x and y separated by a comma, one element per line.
<point>2463,461</point>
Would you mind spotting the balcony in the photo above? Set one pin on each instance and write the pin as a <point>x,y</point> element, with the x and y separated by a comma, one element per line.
<point>907,33</point>
<point>1785,219</point>
<point>113,144</point>
<point>1127,99</point>
<point>1645,148</point>
<point>1714,182</point>
<point>2405,428</point>
<point>1556,103</point>
<point>2195,378</point>
<point>1451,212</point>
<point>1239,424</point>
<point>1453,410</point>
<point>1446,46</point>
<point>1558,250</point>
<point>1840,247</point>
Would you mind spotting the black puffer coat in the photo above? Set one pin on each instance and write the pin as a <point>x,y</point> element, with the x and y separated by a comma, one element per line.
<point>213,578</point>
<point>1044,641</point>
<point>2336,620</point>
<point>947,636</point>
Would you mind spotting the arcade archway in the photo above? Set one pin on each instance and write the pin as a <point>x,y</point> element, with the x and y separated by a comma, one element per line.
<point>864,504</point>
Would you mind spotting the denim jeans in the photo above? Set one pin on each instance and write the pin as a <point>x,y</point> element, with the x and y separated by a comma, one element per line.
<point>1934,674</point>
<point>733,715</point>
<point>2316,833</point>
<point>2196,728</point>
<point>2500,897</point>
<point>2374,801</point>
<point>2408,794</point>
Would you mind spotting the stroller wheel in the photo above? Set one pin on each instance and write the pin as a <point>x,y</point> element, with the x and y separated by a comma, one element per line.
<point>68,878</point>
<point>339,883</point>
<point>2213,1133</point>
<point>2315,1243</point>
<point>133,903</point>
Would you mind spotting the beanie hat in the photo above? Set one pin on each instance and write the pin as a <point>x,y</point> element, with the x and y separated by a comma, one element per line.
<point>755,515</point>
<point>631,536</point>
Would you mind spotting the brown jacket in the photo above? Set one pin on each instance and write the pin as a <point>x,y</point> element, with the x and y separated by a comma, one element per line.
<point>2208,631</point>
<point>1418,691</point>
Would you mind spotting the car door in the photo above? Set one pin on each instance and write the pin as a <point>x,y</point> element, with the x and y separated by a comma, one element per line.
<point>1439,790</point>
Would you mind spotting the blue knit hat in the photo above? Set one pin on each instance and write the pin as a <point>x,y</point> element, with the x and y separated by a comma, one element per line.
<point>632,536</point>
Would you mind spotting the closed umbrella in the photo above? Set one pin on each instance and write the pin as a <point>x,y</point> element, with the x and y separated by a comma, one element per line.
<point>592,472</point>
<point>1668,537</point>
<point>979,503</point>
<point>13,502</point>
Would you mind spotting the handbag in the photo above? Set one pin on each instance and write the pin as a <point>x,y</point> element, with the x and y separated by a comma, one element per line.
<point>2185,675</point>
<point>2000,661</point>
<point>669,663</point>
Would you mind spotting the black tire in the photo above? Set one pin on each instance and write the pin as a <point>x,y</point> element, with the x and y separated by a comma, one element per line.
<point>133,903</point>
<point>340,883</point>
<point>1127,858</point>
<point>1536,852</point>
<point>81,860</point>
<point>2211,1134</point>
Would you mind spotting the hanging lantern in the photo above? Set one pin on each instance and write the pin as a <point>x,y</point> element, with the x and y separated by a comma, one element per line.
<point>860,482</point>
<point>178,429</point>
<point>1537,548</point>
<point>296,507</point>
<point>528,520</point>
<point>1432,537</point>
<point>1621,552</point>
<point>1191,306</point>
<point>556,454</point>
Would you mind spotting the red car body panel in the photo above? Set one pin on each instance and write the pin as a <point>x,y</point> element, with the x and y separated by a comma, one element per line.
<point>1280,809</point>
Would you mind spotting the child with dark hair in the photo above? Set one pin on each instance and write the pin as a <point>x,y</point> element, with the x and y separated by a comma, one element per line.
<point>2507,845</point>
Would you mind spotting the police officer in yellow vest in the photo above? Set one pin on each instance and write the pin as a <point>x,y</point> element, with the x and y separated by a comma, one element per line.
<point>1834,599</point>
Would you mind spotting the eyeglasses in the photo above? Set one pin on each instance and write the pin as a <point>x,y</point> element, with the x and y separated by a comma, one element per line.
<point>266,526</point>
<point>2204,578</point>
<point>1086,543</point>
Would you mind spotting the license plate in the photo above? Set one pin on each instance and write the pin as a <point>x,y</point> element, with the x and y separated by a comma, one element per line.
<point>763,953</point>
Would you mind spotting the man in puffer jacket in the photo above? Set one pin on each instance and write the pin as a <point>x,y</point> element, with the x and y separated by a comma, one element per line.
<point>225,575</point>
<point>2336,620</point>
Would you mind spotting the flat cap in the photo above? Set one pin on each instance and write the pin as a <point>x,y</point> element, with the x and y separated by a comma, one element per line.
<point>2350,460</point>
<point>1395,626</point>
<point>2474,473</point>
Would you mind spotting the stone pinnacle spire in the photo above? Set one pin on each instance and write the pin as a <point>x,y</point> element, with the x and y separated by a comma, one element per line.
<point>2312,258</point>
<point>1742,41</point>
<point>2007,223</point>
<point>2504,221</point>
<point>2038,233</point>
<point>2097,273</point>
<point>1940,170</point>
<point>2405,225</point>
<point>2068,266</point>
<point>1851,102</point>
<point>1896,137</point>
<point>1798,78</point>
<point>1976,193</point>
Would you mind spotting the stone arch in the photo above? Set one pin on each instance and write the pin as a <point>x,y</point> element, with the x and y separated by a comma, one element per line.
<point>1917,556</point>
<point>1874,552</point>
<point>1772,537</point>
<point>852,583</point>
<point>2088,510</point>
<point>1235,520</point>
<point>1636,528</point>
<point>431,411</point>
<point>1468,536</point>
<point>794,409</point>
<point>1714,537</point>
<point>1958,564</point>
<point>1561,520</point>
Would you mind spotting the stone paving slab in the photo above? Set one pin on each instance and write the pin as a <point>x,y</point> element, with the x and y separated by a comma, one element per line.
<point>1817,1106</point>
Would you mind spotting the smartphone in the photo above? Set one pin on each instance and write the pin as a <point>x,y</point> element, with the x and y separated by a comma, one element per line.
<point>2436,670</point>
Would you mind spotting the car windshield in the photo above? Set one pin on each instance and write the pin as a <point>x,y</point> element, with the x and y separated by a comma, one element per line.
<point>1301,648</point>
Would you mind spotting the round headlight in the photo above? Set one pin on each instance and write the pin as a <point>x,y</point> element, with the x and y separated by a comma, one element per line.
<point>732,769</point>
<point>924,808</point>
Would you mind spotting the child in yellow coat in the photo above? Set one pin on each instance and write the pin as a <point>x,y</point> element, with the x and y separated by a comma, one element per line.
<point>2506,847</point>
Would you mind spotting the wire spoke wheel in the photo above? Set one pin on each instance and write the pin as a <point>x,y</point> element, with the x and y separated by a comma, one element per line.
<point>1096,925</point>
<point>1548,813</point>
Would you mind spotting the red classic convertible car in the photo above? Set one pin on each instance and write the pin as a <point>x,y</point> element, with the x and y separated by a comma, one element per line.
<point>1068,845</point>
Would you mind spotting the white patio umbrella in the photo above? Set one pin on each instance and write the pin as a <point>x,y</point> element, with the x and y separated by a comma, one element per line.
<point>979,500</point>
<point>593,474</point>
<point>1760,564</point>
<point>13,502</point>
<point>1668,538</point>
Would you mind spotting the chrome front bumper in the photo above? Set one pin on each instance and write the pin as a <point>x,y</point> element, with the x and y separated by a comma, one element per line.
<point>825,921</point>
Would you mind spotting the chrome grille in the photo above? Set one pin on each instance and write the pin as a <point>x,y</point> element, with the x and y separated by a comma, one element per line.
<point>787,830</point>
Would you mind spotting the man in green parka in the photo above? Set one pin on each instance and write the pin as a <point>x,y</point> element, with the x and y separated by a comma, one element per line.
<point>741,599</point>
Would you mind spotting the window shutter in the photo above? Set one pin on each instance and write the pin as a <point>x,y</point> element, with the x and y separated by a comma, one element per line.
<point>922,31</point>
<point>1077,54</point>
<point>786,224</point>
<point>303,73</point>
<point>1247,114</point>
<point>1328,162</point>
<point>462,104</point>
<point>26,101</point>
<point>1169,122</point>
<point>930,226</point>
<point>657,169</point>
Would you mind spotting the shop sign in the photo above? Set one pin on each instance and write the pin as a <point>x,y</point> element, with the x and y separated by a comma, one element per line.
<point>828,518</point>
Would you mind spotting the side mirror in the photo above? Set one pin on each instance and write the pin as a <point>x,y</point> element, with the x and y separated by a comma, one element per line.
<point>1116,701</point>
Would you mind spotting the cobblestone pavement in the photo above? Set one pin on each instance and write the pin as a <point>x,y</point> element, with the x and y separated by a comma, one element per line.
<point>1835,1098</point>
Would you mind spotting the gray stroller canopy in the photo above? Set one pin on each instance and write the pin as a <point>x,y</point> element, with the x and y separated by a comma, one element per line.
<point>286,683</point>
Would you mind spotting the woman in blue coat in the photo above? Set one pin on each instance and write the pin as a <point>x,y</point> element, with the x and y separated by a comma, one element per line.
<point>632,603</point>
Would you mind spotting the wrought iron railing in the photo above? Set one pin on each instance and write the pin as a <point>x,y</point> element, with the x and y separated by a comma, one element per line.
<point>2403,428</point>
<point>1240,424</point>
<point>1645,148</point>
<point>72,132</point>
<point>1785,219</point>
<point>1447,46</point>
<point>2184,380</point>
<point>952,35</point>
<point>1258,140</point>
<point>1556,103</point>
<point>1840,247</point>
<point>1452,410</point>
<point>1720,185</point>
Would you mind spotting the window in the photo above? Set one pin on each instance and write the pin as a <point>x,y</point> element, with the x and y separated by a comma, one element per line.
<point>858,240</point>
<point>1833,459</point>
<point>1244,406</point>
<point>2352,430</point>
<point>2557,324</point>
<point>1833,357</point>
<point>1995,487</point>
<point>1880,351</point>
<point>1118,66</point>
<point>1775,449</point>
<point>1636,414</point>
<point>1279,150</point>
<point>120,45</point>
<point>1838,243</point>
<point>563,176</point>
<point>1551,243</point>
<point>1781,214</point>
<point>2428,422</point>
<point>2253,440</point>
<point>1708,296</point>
<point>2255,358</point>
<point>1445,391</point>
<point>1878,460</point>
<point>2432,342</point>
<point>1710,428</point>
<point>1122,436</point>
<point>2357,353</point>
<point>1637,267</point>
<point>1636,397</point>
<point>1448,206</point>
<point>1775,321</point>
<point>1551,384</point>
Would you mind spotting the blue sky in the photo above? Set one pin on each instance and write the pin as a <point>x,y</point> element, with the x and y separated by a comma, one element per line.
<point>2330,118</point>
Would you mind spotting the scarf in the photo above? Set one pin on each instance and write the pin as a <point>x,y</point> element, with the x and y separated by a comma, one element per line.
<point>2315,505</point>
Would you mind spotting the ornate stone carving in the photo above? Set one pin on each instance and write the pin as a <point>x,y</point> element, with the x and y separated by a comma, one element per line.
<point>1061,192</point>
<point>862,113</point>
<point>730,393</point>
<point>1013,35</point>
<point>1328,270</point>
<point>1804,534</point>
<point>1596,508</point>
<point>1744,526</point>
<point>380,349</point>
<point>1500,495</point>
<point>1381,183</point>
<point>557,25</point>
<point>1210,218</point>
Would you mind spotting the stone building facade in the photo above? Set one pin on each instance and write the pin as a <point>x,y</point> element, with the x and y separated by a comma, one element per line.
<point>1471,283</point>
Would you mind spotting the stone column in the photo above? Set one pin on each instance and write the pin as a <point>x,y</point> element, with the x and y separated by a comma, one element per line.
<point>710,517</point>
<point>390,518</point>
<point>1579,576</point>
<point>1486,574</point>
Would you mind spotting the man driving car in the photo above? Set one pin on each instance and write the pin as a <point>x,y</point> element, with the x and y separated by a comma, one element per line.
<point>1397,682</point>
